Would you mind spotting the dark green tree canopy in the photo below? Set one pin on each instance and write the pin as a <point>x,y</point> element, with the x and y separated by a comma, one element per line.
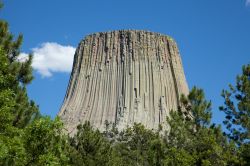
<point>237,107</point>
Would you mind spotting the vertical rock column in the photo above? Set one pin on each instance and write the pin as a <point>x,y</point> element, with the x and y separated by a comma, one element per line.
<point>123,77</point>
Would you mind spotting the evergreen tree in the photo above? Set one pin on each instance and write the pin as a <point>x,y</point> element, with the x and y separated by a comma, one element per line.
<point>45,144</point>
<point>12,151</point>
<point>237,108</point>
<point>201,142</point>
<point>20,74</point>
<point>138,146</point>
<point>90,147</point>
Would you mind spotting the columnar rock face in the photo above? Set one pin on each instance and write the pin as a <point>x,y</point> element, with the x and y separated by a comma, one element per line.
<point>123,77</point>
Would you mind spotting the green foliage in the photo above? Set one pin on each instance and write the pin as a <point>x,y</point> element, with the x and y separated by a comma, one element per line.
<point>237,107</point>
<point>24,138</point>
<point>11,147</point>
<point>15,75</point>
<point>198,140</point>
<point>7,42</point>
<point>12,151</point>
<point>244,151</point>
<point>138,146</point>
<point>178,156</point>
<point>199,108</point>
<point>13,96</point>
<point>1,5</point>
<point>89,147</point>
<point>44,143</point>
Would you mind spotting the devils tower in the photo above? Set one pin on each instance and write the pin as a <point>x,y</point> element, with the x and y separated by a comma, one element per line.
<point>123,77</point>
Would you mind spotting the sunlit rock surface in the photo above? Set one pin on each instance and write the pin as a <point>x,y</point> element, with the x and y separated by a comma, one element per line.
<point>123,77</point>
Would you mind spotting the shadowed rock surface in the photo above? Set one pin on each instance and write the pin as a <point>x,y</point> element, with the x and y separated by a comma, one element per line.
<point>123,77</point>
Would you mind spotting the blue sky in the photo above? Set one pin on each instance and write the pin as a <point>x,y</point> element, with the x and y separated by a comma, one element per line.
<point>213,37</point>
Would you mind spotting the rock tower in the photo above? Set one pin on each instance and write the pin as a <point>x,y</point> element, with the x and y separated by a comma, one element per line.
<point>123,77</point>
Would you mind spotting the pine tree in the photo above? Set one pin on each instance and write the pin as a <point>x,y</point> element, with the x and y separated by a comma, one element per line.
<point>20,74</point>
<point>90,147</point>
<point>237,108</point>
<point>16,111</point>
<point>12,151</point>
<point>201,142</point>
<point>45,143</point>
<point>139,146</point>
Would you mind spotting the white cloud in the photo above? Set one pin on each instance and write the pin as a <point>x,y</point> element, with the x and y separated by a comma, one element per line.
<point>50,58</point>
<point>22,57</point>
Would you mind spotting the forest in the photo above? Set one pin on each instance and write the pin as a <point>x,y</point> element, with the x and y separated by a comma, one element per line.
<point>28,138</point>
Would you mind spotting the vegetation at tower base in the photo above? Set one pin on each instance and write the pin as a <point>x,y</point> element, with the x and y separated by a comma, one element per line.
<point>197,136</point>
<point>189,141</point>
<point>90,147</point>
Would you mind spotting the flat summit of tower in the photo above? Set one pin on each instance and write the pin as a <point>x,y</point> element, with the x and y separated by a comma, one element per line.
<point>123,77</point>
<point>129,31</point>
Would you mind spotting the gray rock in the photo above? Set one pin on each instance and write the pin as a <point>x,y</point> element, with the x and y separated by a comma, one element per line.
<point>123,77</point>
